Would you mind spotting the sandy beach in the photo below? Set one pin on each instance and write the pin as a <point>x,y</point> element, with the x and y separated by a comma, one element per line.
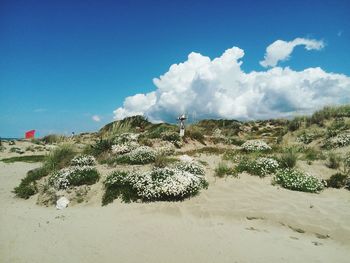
<point>243,219</point>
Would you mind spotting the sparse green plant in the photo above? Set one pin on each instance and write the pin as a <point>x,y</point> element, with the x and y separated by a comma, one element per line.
<point>223,169</point>
<point>26,159</point>
<point>60,157</point>
<point>53,138</point>
<point>28,187</point>
<point>333,161</point>
<point>162,161</point>
<point>337,180</point>
<point>288,158</point>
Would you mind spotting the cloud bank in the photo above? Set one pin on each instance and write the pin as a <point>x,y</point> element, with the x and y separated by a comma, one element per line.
<point>281,50</point>
<point>219,88</point>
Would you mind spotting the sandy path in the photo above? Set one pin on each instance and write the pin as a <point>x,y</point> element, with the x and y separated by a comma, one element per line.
<point>212,227</point>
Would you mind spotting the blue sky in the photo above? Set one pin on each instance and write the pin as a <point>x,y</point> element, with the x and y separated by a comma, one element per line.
<point>61,62</point>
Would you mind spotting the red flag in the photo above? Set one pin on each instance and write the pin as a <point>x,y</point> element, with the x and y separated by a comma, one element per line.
<point>30,134</point>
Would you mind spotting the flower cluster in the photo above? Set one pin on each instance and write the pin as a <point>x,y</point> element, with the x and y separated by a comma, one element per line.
<point>159,184</point>
<point>141,155</point>
<point>126,138</point>
<point>306,138</point>
<point>340,140</point>
<point>264,166</point>
<point>298,181</point>
<point>83,160</point>
<point>124,147</point>
<point>74,175</point>
<point>191,167</point>
<point>81,171</point>
<point>255,145</point>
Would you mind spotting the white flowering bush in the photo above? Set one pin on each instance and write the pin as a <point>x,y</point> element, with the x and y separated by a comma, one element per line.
<point>140,155</point>
<point>124,147</point>
<point>338,141</point>
<point>190,166</point>
<point>264,166</point>
<point>167,183</point>
<point>83,160</point>
<point>298,181</point>
<point>306,138</point>
<point>73,176</point>
<point>255,145</point>
<point>261,166</point>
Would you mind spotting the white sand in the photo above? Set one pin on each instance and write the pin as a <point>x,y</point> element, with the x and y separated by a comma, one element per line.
<point>212,227</point>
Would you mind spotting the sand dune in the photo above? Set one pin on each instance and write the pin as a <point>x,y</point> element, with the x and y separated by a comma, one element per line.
<point>242,219</point>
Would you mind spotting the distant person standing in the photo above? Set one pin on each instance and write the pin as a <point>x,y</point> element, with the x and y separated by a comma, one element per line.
<point>0,142</point>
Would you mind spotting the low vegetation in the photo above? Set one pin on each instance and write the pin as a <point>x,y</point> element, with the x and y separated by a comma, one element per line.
<point>298,181</point>
<point>173,183</point>
<point>26,159</point>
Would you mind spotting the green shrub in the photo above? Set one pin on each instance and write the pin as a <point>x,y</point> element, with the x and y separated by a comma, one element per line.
<point>27,159</point>
<point>53,138</point>
<point>116,186</point>
<point>337,180</point>
<point>73,176</point>
<point>311,154</point>
<point>333,161</point>
<point>294,124</point>
<point>223,170</point>
<point>162,161</point>
<point>168,183</point>
<point>171,136</point>
<point>60,157</point>
<point>288,159</point>
<point>27,187</point>
<point>298,181</point>
<point>262,166</point>
<point>100,147</point>
<point>195,134</point>
<point>140,155</point>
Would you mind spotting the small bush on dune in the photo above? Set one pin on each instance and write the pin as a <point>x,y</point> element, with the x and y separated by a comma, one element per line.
<point>168,183</point>
<point>59,157</point>
<point>337,180</point>
<point>298,181</point>
<point>141,155</point>
<point>162,161</point>
<point>289,158</point>
<point>171,136</point>
<point>83,160</point>
<point>294,124</point>
<point>255,146</point>
<point>53,138</point>
<point>27,187</point>
<point>262,166</point>
<point>333,161</point>
<point>195,134</point>
<point>224,170</point>
<point>73,176</point>
<point>338,141</point>
<point>311,154</point>
<point>101,147</point>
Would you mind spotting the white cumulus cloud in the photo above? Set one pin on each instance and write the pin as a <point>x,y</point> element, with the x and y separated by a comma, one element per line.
<point>96,118</point>
<point>219,88</point>
<point>281,50</point>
